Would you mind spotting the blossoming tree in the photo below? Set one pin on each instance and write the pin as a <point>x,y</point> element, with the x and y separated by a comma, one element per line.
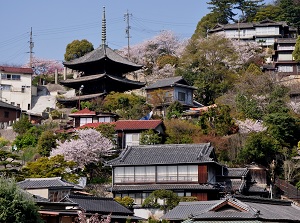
<point>87,148</point>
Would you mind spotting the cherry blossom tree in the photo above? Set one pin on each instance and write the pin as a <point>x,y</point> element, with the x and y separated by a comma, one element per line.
<point>148,52</point>
<point>87,148</point>
<point>45,66</point>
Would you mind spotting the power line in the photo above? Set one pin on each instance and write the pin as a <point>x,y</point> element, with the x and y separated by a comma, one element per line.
<point>126,18</point>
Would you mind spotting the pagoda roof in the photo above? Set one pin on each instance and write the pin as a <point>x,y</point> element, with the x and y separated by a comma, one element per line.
<point>126,83</point>
<point>105,58</point>
<point>81,97</point>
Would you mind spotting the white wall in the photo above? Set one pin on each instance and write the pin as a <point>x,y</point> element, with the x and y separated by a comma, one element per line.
<point>17,92</point>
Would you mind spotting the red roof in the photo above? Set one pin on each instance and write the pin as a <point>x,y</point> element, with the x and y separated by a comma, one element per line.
<point>85,111</point>
<point>22,70</point>
<point>128,124</point>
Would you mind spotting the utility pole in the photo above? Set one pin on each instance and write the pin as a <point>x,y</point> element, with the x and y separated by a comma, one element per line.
<point>126,18</point>
<point>31,45</point>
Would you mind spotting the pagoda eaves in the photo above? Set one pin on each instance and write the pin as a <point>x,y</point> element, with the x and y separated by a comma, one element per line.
<point>102,60</point>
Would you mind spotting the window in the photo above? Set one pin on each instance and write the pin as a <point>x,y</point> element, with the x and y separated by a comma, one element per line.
<point>84,121</point>
<point>124,174</point>
<point>10,77</point>
<point>132,139</point>
<point>181,96</point>
<point>144,174</point>
<point>6,114</point>
<point>285,69</point>
<point>134,174</point>
<point>104,119</point>
<point>5,87</point>
<point>166,173</point>
<point>12,103</point>
<point>18,105</point>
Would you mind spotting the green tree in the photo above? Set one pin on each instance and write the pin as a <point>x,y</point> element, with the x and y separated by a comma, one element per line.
<point>46,142</point>
<point>125,201</point>
<point>296,52</point>
<point>269,11</point>
<point>259,148</point>
<point>229,9</point>
<point>127,106</point>
<point>181,131</point>
<point>28,139</point>
<point>9,161</point>
<point>283,127</point>
<point>210,65</point>
<point>217,121</point>
<point>55,166</point>
<point>16,205</point>
<point>206,23</point>
<point>150,137</point>
<point>22,126</point>
<point>108,131</point>
<point>78,48</point>
<point>169,200</point>
<point>174,110</point>
<point>290,12</point>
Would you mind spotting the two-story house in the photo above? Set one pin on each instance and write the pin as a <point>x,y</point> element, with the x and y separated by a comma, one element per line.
<point>186,169</point>
<point>8,114</point>
<point>15,86</point>
<point>285,65</point>
<point>86,116</point>
<point>128,132</point>
<point>53,188</point>
<point>264,32</point>
<point>168,90</point>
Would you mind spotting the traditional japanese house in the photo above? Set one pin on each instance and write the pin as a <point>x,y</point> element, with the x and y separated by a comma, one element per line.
<point>165,91</point>
<point>99,72</point>
<point>186,169</point>
<point>233,209</point>
<point>128,132</point>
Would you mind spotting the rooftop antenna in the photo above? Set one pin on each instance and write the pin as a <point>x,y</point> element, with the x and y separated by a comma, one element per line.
<point>103,28</point>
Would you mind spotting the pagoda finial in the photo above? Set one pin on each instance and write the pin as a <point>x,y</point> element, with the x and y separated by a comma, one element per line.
<point>103,28</point>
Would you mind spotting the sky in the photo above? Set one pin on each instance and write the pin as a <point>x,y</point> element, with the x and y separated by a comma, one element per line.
<point>56,23</point>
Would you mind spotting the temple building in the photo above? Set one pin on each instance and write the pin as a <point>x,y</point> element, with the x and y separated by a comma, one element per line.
<point>98,73</point>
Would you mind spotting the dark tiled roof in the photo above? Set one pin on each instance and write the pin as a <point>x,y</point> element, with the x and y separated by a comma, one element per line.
<point>166,82</point>
<point>101,53</point>
<point>82,97</point>
<point>256,188</point>
<point>9,106</point>
<point>243,25</point>
<point>255,209</point>
<point>152,187</point>
<point>95,77</point>
<point>99,205</point>
<point>237,172</point>
<point>35,183</point>
<point>165,154</point>
<point>19,70</point>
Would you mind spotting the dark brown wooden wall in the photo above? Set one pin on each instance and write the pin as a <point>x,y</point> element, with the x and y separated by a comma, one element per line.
<point>202,174</point>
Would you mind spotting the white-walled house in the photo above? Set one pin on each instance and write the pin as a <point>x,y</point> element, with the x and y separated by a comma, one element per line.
<point>264,32</point>
<point>15,86</point>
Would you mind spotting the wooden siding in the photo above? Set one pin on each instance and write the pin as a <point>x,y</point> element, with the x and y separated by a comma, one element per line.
<point>200,196</point>
<point>202,174</point>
